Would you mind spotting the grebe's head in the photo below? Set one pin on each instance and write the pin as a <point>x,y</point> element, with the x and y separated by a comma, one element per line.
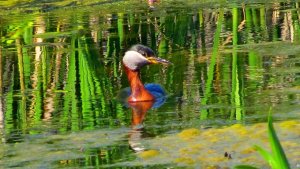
<point>139,55</point>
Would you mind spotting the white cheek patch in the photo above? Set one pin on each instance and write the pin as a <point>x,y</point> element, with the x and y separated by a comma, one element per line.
<point>134,60</point>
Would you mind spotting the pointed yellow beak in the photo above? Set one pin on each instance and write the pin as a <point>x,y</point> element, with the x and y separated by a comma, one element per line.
<point>156,60</point>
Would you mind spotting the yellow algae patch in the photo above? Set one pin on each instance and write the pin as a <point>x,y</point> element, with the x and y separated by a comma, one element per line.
<point>185,160</point>
<point>191,150</point>
<point>289,144</point>
<point>214,140</point>
<point>249,159</point>
<point>248,150</point>
<point>211,151</point>
<point>236,126</point>
<point>189,134</point>
<point>216,159</point>
<point>259,134</point>
<point>148,154</point>
<point>291,124</point>
<point>212,159</point>
<point>184,151</point>
<point>214,167</point>
<point>197,146</point>
<point>212,133</point>
<point>260,126</point>
<point>296,154</point>
<point>239,129</point>
<point>243,132</point>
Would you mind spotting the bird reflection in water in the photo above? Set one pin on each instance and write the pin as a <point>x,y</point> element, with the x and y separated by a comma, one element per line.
<point>139,97</point>
<point>139,111</point>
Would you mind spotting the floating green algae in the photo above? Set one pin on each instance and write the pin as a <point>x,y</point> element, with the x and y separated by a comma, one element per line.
<point>223,147</point>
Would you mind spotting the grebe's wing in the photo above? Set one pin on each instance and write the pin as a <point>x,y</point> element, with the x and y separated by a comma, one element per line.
<point>158,92</point>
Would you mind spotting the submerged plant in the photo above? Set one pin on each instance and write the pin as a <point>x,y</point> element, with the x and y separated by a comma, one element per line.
<point>277,159</point>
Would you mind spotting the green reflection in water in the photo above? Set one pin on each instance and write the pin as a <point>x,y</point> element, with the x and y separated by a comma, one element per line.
<point>211,68</point>
<point>235,94</point>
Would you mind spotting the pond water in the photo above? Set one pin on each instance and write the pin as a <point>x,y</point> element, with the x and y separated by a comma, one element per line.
<point>61,71</point>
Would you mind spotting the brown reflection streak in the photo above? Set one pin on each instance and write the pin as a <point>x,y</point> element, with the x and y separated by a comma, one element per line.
<point>1,101</point>
<point>139,111</point>
<point>290,25</point>
<point>94,22</point>
<point>287,32</point>
<point>49,100</point>
<point>275,15</point>
<point>40,28</point>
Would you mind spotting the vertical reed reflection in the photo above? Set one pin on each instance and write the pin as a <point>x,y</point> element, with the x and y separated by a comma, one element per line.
<point>211,69</point>
<point>70,63</point>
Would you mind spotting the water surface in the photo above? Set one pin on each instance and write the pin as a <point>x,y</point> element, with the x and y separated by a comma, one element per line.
<point>61,71</point>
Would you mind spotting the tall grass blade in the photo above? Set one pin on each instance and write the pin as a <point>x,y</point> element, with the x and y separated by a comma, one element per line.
<point>244,167</point>
<point>266,155</point>
<point>278,159</point>
<point>279,155</point>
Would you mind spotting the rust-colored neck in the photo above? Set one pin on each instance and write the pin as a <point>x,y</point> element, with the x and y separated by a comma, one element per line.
<point>138,91</point>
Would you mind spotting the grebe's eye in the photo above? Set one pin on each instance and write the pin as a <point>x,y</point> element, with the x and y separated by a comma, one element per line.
<point>143,53</point>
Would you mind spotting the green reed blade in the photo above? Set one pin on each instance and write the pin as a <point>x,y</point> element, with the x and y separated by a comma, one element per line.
<point>277,159</point>
<point>266,155</point>
<point>244,167</point>
<point>281,161</point>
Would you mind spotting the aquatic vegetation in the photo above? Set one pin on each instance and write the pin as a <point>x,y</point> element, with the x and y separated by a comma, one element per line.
<point>195,148</point>
<point>148,154</point>
<point>189,134</point>
<point>185,160</point>
<point>60,71</point>
<point>290,124</point>
<point>277,159</point>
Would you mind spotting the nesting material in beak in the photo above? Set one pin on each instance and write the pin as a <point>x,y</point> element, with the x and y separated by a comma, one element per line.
<point>156,60</point>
